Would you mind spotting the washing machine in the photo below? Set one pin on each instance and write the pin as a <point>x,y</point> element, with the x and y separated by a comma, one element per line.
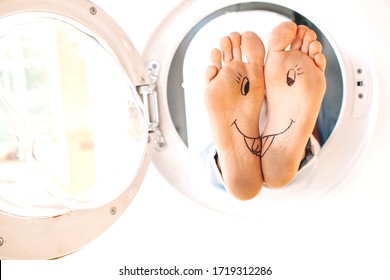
<point>114,91</point>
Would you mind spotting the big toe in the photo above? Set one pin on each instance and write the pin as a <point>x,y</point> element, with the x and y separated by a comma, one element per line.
<point>252,47</point>
<point>282,36</point>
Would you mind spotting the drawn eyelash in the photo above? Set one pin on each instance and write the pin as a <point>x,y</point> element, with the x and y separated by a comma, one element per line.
<point>298,69</point>
<point>238,78</point>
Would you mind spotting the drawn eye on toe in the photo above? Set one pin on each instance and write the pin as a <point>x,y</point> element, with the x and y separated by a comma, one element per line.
<point>245,84</point>
<point>292,75</point>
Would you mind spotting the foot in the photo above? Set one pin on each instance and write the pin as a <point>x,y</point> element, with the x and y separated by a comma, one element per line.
<point>234,96</point>
<point>295,87</point>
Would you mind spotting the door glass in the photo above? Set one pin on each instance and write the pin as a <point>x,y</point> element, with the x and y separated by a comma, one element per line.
<point>72,128</point>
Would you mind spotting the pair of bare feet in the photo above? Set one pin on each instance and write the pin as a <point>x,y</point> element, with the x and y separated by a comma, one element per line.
<point>291,80</point>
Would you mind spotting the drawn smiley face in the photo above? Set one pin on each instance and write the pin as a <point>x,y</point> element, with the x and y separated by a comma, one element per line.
<point>259,145</point>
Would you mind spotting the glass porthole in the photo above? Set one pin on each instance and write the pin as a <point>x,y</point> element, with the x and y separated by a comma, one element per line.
<point>72,131</point>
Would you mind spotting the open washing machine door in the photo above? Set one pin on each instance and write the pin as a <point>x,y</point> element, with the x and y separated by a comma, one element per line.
<point>83,116</point>
<point>74,131</point>
<point>180,47</point>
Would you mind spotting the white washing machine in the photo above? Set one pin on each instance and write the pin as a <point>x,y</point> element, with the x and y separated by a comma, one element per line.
<point>335,217</point>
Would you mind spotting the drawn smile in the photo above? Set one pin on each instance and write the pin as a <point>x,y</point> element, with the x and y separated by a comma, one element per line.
<point>261,143</point>
<point>267,140</point>
<point>253,143</point>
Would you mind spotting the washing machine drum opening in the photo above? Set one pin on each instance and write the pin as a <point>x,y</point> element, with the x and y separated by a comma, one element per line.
<point>343,123</point>
<point>185,87</point>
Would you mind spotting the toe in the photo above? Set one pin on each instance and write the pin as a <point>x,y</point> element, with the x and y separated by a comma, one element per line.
<point>216,65</point>
<point>282,36</point>
<point>216,58</point>
<point>235,39</point>
<point>309,37</point>
<point>253,47</point>
<point>297,43</point>
<point>226,48</point>
<point>320,61</point>
<point>211,72</point>
<point>314,48</point>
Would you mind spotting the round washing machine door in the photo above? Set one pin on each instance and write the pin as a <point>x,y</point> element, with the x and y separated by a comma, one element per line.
<point>74,133</point>
<point>181,46</point>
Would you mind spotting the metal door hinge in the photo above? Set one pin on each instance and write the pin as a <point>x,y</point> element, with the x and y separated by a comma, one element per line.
<point>149,97</point>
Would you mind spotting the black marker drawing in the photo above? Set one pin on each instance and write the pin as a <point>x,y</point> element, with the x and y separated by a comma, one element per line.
<point>269,139</point>
<point>245,84</point>
<point>292,75</point>
<point>252,143</point>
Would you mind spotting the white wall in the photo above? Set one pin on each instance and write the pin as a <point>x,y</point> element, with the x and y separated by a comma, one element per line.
<point>342,237</point>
